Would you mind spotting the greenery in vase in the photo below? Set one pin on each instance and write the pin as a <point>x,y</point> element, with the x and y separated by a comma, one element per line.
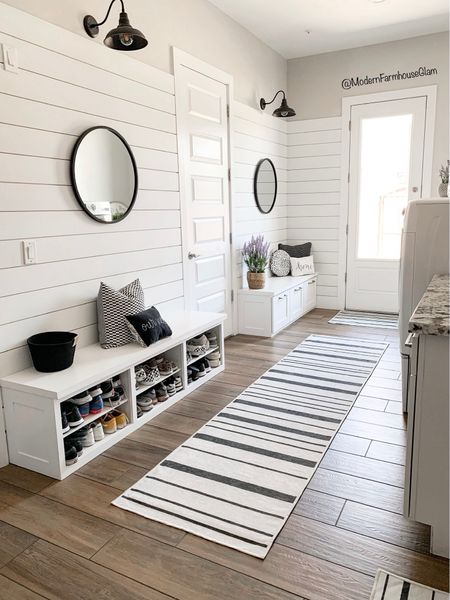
<point>255,254</point>
<point>443,172</point>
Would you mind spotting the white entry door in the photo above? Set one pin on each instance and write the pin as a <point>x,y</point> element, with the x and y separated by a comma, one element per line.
<point>386,164</point>
<point>203,138</point>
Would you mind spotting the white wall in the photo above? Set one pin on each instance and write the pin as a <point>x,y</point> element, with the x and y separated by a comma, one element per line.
<point>44,108</point>
<point>256,135</point>
<point>195,26</point>
<point>314,82</point>
<point>314,178</point>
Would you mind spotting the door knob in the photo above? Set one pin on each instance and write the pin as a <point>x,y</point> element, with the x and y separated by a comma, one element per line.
<point>192,255</point>
<point>415,189</point>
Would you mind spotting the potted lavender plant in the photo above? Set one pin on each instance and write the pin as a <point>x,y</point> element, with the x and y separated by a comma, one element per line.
<point>255,254</point>
<point>443,187</point>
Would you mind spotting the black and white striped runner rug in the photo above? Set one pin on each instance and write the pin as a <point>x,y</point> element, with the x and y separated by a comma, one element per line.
<point>392,587</point>
<point>365,319</point>
<point>238,478</point>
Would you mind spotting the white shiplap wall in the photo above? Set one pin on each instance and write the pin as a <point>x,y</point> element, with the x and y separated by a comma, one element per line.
<point>65,85</point>
<point>314,178</point>
<point>256,135</point>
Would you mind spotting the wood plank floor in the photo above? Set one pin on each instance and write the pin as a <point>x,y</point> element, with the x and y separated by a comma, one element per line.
<point>64,540</point>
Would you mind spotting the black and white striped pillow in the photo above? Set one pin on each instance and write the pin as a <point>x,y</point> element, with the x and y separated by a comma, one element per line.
<point>112,307</point>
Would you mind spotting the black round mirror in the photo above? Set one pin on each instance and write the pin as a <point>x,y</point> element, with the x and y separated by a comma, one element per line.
<point>104,174</point>
<point>265,185</point>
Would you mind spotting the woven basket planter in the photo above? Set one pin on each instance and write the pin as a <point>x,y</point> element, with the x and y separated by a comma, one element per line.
<point>256,281</point>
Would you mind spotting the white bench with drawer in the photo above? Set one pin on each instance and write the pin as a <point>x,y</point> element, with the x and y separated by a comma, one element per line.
<point>281,302</point>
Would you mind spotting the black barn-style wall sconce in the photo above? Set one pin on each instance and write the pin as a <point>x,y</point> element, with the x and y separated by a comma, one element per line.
<point>122,37</point>
<point>284,110</point>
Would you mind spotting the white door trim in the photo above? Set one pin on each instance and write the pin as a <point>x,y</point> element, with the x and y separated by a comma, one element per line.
<point>180,59</point>
<point>4,456</point>
<point>348,102</point>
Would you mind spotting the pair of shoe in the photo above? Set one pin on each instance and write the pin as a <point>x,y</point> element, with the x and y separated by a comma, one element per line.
<point>178,383</point>
<point>164,365</point>
<point>200,368</point>
<point>74,444</point>
<point>212,338</point>
<point>161,392</point>
<point>64,422</point>
<point>147,400</point>
<point>167,368</point>
<point>73,449</point>
<point>112,391</point>
<point>214,359</point>
<point>171,386</point>
<point>93,395</point>
<point>90,402</point>
<point>147,374</point>
<point>70,417</point>
<point>114,421</point>
<point>88,435</point>
<point>197,346</point>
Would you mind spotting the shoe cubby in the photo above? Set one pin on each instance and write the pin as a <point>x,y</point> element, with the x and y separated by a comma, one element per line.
<point>169,367</point>
<point>109,405</point>
<point>34,401</point>
<point>174,356</point>
<point>209,355</point>
<point>100,425</point>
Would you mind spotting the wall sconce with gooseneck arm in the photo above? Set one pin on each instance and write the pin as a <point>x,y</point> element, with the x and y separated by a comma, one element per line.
<point>122,37</point>
<point>284,110</point>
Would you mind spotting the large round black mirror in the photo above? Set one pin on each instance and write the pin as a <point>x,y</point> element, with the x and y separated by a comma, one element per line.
<point>265,185</point>
<point>104,174</point>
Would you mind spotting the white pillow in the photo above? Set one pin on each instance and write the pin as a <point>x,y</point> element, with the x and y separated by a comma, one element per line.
<point>302,266</point>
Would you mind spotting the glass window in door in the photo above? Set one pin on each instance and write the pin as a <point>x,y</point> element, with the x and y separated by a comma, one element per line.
<point>383,185</point>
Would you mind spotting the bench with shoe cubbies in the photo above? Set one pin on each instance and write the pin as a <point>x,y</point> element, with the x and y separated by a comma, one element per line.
<point>32,400</point>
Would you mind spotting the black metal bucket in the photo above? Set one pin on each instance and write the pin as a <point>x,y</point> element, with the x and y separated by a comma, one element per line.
<point>53,350</point>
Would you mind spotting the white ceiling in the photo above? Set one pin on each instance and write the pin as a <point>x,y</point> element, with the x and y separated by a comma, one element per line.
<point>335,24</point>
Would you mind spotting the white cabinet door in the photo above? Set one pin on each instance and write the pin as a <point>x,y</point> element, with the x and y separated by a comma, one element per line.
<point>280,311</point>
<point>309,295</point>
<point>255,315</point>
<point>296,302</point>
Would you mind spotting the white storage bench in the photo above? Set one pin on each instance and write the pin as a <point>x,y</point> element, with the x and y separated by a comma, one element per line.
<point>32,400</point>
<point>281,302</point>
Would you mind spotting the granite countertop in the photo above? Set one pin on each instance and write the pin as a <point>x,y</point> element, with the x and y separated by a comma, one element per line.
<point>432,314</point>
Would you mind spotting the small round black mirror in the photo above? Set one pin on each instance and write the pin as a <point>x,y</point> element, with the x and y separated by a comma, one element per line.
<point>265,185</point>
<point>104,174</point>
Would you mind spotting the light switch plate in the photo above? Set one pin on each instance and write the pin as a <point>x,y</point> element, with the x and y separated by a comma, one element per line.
<point>29,252</point>
<point>10,58</point>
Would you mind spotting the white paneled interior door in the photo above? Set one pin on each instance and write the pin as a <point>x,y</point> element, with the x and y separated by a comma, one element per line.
<point>203,142</point>
<point>386,172</point>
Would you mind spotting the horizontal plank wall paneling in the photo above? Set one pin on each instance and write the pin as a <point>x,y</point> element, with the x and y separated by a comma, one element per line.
<point>314,177</point>
<point>257,135</point>
<point>65,85</point>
